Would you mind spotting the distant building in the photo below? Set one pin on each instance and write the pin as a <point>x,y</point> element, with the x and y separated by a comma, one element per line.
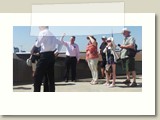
<point>22,51</point>
<point>16,49</point>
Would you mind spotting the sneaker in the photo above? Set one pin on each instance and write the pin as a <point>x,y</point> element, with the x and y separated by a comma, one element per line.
<point>133,84</point>
<point>127,82</point>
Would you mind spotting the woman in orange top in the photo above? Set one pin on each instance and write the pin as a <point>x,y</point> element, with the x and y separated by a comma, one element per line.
<point>92,58</point>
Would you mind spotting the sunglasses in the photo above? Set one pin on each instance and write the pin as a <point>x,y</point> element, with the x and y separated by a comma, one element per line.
<point>108,40</point>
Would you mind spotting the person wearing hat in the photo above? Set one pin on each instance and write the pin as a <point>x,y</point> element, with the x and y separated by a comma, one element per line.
<point>92,58</point>
<point>128,61</point>
<point>103,55</point>
<point>111,58</point>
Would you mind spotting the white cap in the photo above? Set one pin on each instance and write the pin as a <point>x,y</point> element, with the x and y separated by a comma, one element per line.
<point>104,37</point>
<point>110,38</point>
<point>125,29</point>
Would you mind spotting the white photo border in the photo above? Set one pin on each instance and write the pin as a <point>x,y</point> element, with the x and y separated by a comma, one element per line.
<point>77,103</point>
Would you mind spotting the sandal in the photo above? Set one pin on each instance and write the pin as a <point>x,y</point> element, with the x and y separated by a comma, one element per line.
<point>106,84</point>
<point>111,85</point>
<point>94,83</point>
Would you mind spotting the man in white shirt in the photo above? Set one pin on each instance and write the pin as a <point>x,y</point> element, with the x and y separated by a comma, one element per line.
<point>72,58</point>
<point>45,65</point>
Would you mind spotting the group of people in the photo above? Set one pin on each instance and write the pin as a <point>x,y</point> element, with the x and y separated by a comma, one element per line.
<point>110,57</point>
<point>47,47</point>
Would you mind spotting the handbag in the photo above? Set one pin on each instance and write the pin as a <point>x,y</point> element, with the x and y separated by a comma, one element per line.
<point>131,52</point>
<point>29,61</point>
<point>107,67</point>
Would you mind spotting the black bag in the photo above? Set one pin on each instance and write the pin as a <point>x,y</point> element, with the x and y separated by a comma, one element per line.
<point>132,52</point>
<point>35,58</point>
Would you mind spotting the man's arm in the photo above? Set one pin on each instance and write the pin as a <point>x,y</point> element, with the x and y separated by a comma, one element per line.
<point>78,53</point>
<point>127,46</point>
<point>131,44</point>
<point>60,43</point>
<point>32,49</point>
<point>100,49</point>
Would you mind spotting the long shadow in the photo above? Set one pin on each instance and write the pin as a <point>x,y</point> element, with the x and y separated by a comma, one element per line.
<point>125,78</point>
<point>138,86</point>
<point>67,84</point>
<point>22,83</point>
<point>124,84</point>
<point>28,83</point>
<point>24,88</point>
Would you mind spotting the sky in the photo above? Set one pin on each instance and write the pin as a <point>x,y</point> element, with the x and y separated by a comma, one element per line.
<point>24,36</point>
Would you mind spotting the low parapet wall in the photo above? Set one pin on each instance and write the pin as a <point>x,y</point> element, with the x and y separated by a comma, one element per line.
<point>23,73</point>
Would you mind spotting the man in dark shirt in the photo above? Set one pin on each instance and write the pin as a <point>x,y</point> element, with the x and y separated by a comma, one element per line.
<point>103,63</point>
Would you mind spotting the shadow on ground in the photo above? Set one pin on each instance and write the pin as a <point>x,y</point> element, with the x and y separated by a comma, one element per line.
<point>24,88</point>
<point>64,84</point>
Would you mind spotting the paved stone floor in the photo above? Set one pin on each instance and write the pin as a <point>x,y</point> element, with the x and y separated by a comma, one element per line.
<point>83,85</point>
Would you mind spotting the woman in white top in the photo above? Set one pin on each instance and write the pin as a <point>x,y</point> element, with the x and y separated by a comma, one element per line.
<point>111,58</point>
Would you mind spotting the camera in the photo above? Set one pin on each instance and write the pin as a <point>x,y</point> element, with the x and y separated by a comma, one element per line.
<point>119,45</point>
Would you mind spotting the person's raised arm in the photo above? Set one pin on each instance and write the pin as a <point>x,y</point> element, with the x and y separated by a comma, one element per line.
<point>62,41</point>
<point>93,41</point>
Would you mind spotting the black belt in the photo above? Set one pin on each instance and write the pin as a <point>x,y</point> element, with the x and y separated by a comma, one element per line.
<point>47,54</point>
<point>71,56</point>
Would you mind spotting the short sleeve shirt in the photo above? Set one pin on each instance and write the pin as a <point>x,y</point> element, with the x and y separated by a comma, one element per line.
<point>127,41</point>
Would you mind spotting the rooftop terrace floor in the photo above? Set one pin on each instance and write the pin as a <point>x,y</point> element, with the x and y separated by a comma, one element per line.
<point>83,85</point>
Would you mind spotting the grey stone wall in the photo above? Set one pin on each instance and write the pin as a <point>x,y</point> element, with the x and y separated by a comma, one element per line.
<point>23,74</point>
